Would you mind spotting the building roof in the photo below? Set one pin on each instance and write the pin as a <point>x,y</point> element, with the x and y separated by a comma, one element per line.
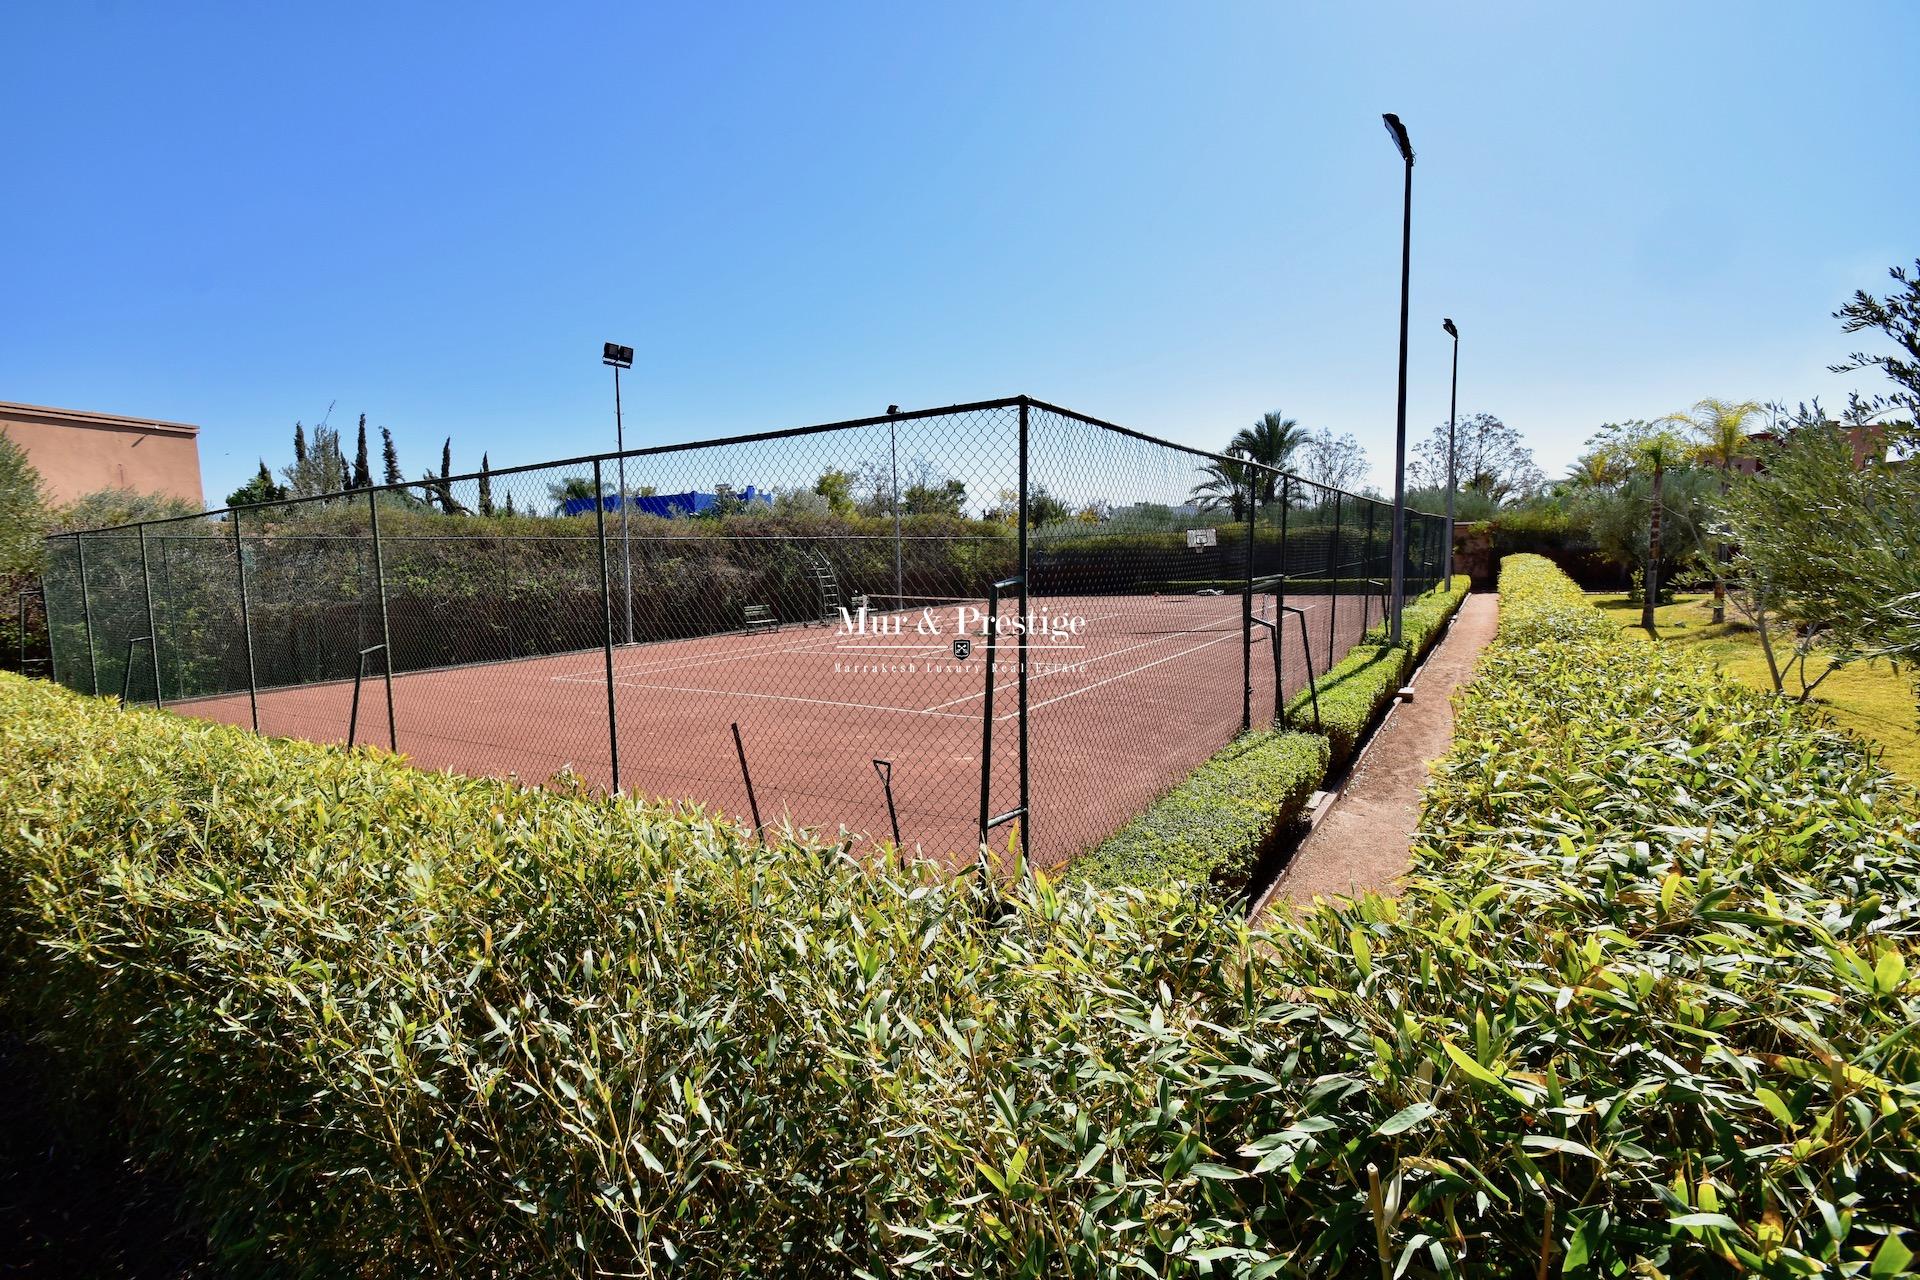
<point>88,418</point>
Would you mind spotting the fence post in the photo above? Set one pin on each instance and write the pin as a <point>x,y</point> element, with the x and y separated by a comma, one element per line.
<point>1026,572</point>
<point>1333,584</point>
<point>606,619</point>
<point>386,639</point>
<point>1280,603</point>
<point>246,620</point>
<point>153,632</point>
<point>1246,610</point>
<point>86,614</point>
<point>1372,570</point>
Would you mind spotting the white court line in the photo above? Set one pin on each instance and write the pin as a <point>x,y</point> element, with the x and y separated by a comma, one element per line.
<point>1100,657</point>
<point>823,644</point>
<point>787,697</point>
<point>1074,693</point>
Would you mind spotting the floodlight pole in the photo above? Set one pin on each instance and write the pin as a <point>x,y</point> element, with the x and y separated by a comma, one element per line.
<point>1398,576</point>
<point>1453,411</point>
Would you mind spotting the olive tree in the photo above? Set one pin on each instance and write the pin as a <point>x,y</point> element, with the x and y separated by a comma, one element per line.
<point>1828,555</point>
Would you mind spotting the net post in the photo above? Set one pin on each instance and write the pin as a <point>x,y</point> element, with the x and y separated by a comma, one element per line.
<point>606,618</point>
<point>753,801</point>
<point>1246,609</point>
<point>885,769</point>
<point>86,614</point>
<point>246,621</point>
<point>1026,573</point>
<point>153,632</point>
<point>386,638</point>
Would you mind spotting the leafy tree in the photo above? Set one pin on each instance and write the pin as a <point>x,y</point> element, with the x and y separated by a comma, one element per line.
<point>261,488</point>
<point>318,467</point>
<point>1044,508</point>
<point>486,486</point>
<point>1470,506</point>
<point>1489,457</point>
<point>23,514</point>
<point>1830,548</point>
<point>362,471</point>
<point>389,459</point>
<point>836,486</point>
<point>1338,462</point>
<point>1898,317</point>
<point>106,507</point>
<point>928,497</point>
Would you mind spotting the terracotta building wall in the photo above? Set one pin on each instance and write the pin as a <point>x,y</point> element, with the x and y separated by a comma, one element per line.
<point>77,452</point>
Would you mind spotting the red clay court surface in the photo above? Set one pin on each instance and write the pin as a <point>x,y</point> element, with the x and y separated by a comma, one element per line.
<point>1147,690</point>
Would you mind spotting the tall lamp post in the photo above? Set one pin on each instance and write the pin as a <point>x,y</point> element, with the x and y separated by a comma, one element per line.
<point>1453,409</point>
<point>621,358</point>
<point>1399,576</point>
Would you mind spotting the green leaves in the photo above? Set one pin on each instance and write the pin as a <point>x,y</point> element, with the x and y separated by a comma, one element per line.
<point>1648,1002</point>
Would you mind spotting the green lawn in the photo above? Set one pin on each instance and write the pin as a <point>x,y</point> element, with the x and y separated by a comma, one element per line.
<point>1874,701</point>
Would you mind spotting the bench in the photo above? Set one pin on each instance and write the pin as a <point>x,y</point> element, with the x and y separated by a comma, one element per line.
<point>757,617</point>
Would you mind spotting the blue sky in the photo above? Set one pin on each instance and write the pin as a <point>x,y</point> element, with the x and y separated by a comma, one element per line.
<point>1172,216</point>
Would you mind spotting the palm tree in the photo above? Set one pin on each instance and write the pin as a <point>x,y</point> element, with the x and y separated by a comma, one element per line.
<point>1721,426</point>
<point>1659,452</point>
<point>1594,471</point>
<point>1271,442</point>
<point>1225,488</point>
<point>572,489</point>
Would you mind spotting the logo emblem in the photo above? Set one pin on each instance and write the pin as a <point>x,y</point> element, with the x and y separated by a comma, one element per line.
<point>963,647</point>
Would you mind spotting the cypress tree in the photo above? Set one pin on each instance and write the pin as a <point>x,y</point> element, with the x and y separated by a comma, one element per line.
<point>389,458</point>
<point>486,488</point>
<point>446,470</point>
<point>362,472</point>
<point>299,444</point>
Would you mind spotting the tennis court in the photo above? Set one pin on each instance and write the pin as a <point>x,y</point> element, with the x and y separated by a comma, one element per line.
<point>824,588</point>
<point>818,704</point>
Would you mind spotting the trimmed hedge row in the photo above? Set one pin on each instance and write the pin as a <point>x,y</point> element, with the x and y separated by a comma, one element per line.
<point>1359,687</point>
<point>1647,1007</point>
<point>1213,828</point>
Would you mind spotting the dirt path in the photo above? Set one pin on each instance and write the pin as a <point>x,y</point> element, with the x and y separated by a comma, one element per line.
<point>1362,843</point>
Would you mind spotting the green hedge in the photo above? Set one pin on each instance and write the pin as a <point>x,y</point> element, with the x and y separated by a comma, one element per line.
<point>1214,827</point>
<point>1647,1007</point>
<point>1358,688</point>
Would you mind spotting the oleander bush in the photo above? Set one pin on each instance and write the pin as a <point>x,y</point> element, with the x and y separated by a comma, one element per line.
<point>1213,828</point>
<point>1648,1007</point>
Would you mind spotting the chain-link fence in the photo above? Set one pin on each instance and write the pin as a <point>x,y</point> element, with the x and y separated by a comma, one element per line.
<point>927,623</point>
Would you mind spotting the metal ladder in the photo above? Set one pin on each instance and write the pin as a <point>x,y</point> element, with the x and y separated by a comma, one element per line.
<point>826,585</point>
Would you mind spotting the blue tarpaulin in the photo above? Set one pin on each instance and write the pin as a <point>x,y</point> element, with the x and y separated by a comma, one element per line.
<point>669,505</point>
